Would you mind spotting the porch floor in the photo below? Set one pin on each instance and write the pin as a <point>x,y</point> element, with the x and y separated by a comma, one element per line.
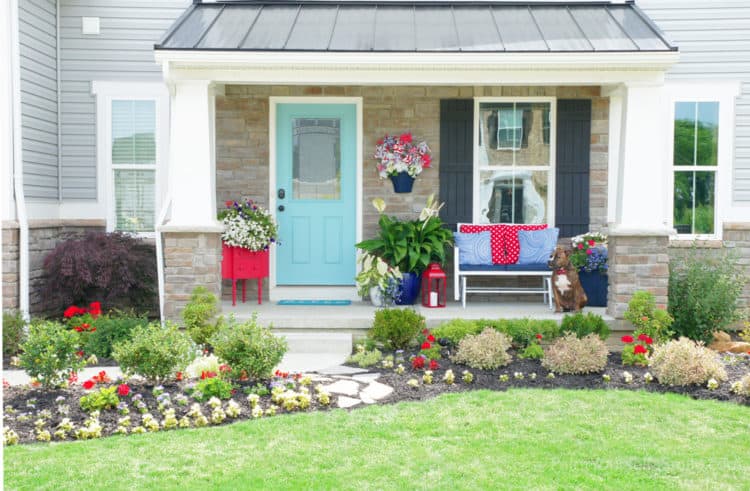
<point>358,316</point>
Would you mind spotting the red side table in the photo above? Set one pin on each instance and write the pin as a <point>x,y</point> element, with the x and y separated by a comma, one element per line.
<point>242,264</point>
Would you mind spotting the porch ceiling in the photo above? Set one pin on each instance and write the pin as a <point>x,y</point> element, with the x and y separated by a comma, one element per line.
<point>415,27</point>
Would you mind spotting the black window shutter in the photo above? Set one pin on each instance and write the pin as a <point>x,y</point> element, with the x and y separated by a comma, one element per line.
<point>456,160</point>
<point>573,159</point>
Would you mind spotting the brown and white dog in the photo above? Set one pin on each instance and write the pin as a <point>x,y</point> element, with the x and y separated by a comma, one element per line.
<point>566,287</point>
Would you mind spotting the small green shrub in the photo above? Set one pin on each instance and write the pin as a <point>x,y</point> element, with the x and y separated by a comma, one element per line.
<point>248,347</point>
<point>198,315</point>
<point>533,352</point>
<point>50,353</point>
<point>212,387</point>
<point>524,331</point>
<point>584,324</point>
<point>686,362</point>
<point>111,329</point>
<point>154,352</point>
<point>573,355</point>
<point>365,358</point>
<point>14,334</point>
<point>396,328</point>
<point>104,398</point>
<point>704,293</point>
<point>647,319</point>
<point>486,350</point>
<point>457,329</point>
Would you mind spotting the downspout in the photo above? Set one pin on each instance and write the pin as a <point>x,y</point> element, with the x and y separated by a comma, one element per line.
<point>160,254</point>
<point>23,222</point>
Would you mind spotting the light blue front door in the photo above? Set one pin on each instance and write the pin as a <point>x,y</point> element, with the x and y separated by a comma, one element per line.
<point>316,147</point>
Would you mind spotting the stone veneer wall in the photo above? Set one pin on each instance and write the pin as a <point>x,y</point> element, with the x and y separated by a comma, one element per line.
<point>44,235</point>
<point>242,119</point>
<point>190,259</point>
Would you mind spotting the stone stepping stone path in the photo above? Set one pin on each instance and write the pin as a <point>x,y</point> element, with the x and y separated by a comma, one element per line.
<point>351,391</point>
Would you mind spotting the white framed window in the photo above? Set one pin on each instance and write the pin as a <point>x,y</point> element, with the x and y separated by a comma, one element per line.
<point>700,153</point>
<point>514,160</point>
<point>132,141</point>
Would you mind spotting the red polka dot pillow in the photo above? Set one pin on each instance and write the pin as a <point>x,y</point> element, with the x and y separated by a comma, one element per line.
<point>497,243</point>
<point>510,239</point>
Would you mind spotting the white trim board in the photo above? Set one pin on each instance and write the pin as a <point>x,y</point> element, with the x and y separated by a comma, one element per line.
<point>277,292</point>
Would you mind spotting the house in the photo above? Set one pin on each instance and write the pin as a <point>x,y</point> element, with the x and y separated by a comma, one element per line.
<point>145,116</point>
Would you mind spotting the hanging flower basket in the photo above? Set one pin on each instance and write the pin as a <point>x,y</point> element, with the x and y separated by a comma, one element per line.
<point>401,159</point>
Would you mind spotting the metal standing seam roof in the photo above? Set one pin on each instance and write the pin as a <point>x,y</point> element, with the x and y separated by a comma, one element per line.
<point>414,26</point>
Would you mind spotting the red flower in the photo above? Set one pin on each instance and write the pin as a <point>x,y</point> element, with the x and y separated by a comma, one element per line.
<point>627,339</point>
<point>228,203</point>
<point>205,375</point>
<point>404,138</point>
<point>101,377</point>
<point>78,329</point>
<point>426,345</point>
<point>95,309</point>
<point>592,242</point>
<point>80,354</point>
<point>224,368</point>
<point>93,329</point>
<point>73,377</point>
<point>380,142</point>
<point>417,363</point>
<point>539,336</point>
<point>425,331</point>
<point>178,376</point>
<point>70,312</point>
<point>123,390</point>
<point>89,384</point>
<point>431,338</point>
<point>648,340</point>
<point>589,251</point>
<point>580,246</point>
<point>639,349</point>
<point>434,365</point>
<point>234,391</point>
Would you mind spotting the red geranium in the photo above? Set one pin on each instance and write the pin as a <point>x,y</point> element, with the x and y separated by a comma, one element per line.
<point>431,338</point>
<point>645,338</point>
<point>434,365</point>
<point>539,336</point>
<point>123,390</point>
<point>417,363</point>
<point>580,246</point>
<point>89,384</point>
<point>224,368</point>
<point>205,375</point>
<point>70,312</point>
<point>101,377</point>
<point>178,376</point>
<point>426,345</point>
<point>639,349</point>
<point>627,339</point>
<point>405,138</point>
<point>425,331</point>
<point>592,243</point>
<point>73,377</point>
<point>95,309</point>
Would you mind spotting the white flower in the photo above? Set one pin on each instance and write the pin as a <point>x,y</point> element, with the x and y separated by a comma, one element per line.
<point>628,377</point>
<point>712,384</point>
<point>648,377</point>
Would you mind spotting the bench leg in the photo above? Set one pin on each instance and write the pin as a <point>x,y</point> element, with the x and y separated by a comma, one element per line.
<point>463,291</point>
<point>549,291</point>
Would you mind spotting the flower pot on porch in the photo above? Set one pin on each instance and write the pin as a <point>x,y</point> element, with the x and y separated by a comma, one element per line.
<point>402,182</point>
<point>409,289</point>
<point>596,286</point>
<point>238,263</point>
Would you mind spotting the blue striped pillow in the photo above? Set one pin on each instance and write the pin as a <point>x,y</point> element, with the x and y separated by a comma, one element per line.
<point>537,245</point>
<point>474,248</point>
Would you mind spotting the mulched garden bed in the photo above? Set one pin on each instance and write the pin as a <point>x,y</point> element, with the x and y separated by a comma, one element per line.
<point>28,404</point>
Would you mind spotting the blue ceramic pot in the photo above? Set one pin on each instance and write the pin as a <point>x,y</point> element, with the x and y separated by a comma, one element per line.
<point>409,291</point>
<point>596,286</point>
<point>402,182</point>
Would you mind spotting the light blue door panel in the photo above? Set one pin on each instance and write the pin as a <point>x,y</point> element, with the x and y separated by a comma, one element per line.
<point>316,175</point>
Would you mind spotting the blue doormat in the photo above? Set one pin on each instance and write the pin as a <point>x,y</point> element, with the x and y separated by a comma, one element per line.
<point>314,302</point>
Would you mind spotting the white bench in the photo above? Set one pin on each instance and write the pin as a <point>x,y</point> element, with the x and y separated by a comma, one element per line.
<point>462,272</point>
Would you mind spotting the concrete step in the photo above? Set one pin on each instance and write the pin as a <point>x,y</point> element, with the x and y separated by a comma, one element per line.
<point>337,343</point>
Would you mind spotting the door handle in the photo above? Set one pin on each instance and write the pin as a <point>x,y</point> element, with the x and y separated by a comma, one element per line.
<point>281,193</point>
<point>281,207</point>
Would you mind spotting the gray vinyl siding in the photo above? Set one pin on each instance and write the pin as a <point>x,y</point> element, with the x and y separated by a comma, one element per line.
<point>123,51</point>
<point>37,26</point>
<point>714,41</point>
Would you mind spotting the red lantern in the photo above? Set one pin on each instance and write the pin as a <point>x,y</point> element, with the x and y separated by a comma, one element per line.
<point>434,283</point>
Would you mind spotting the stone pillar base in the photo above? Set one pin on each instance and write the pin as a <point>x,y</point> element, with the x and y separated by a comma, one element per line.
<point>10,266</point>
<point>637,262</point>
<point>190,259</point>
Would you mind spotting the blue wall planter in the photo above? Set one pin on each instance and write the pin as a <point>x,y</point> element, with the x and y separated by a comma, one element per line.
<point>402,182</point>
<point>409,290</point>
<point>596,286</point>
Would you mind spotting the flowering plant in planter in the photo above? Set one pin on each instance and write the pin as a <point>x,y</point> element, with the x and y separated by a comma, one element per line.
<point>248,225</point>
<point>401,154</point>
<point>376,273</point>
<point>590,252</point>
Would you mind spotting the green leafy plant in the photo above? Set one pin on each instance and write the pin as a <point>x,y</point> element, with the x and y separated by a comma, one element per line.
<point>523,331</point>
<point>50,354</point>
<point>456,329</point>
<point>111,329</point>
<point>534,350</point>
<point>154,352</point>
<point>686,362</point>
<point>213,387</point>
<point>248,347</point>
<point>364,358</point>
<point>104,398</point>
<point>14,332</point>
<point>411,245</point>
<point>486,350</point>
<point>704,293</point>
<point>396,328</point>
<point>647,319</point>
<point>198,315</point>
<point>573,355</point>
<point>584,324</point>
<point>376,273</point>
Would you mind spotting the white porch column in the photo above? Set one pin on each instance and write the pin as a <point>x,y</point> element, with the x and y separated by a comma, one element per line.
<point>192,161</point>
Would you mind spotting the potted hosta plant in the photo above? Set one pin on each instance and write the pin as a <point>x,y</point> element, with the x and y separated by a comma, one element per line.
<point>401,159</point>
<point>590,258</point>
<point>249,231</point>
<point>378,279</point>
<point>410,245</point>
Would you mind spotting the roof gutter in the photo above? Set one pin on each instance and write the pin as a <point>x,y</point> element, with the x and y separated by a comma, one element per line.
<point>20,200</point>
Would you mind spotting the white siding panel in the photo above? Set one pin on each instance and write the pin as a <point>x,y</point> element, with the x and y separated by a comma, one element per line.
<point>37,25</point>
<point>714,41</point>
<point>123,51</point>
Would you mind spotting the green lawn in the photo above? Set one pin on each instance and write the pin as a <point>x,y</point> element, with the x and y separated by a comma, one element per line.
<point>478,440</point>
